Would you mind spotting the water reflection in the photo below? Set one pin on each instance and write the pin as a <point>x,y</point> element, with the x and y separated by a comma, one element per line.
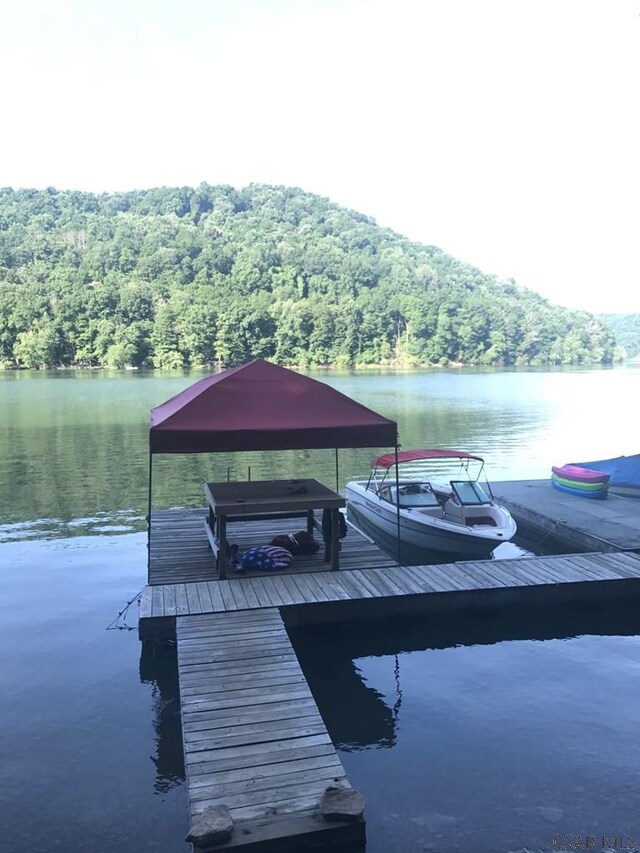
<point>159,667</point>
<point>358,715</point>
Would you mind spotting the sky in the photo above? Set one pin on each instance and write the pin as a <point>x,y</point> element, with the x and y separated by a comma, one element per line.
<point>506,132</point>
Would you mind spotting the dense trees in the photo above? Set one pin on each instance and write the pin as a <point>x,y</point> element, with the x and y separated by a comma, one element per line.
<point>627,330</point>
<point>173,277</point>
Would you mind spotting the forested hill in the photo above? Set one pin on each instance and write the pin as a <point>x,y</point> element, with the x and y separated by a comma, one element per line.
<point>626,328</point>
<point>178,277</point>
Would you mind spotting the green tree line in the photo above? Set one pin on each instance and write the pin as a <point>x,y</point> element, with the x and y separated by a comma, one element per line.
<point>177,277</point>
<point>626,328</point>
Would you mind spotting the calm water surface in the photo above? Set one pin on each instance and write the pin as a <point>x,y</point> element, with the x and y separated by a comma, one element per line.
<point>503,738</point>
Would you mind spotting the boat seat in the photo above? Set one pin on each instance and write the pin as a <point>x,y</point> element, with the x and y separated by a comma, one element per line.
<point>454,510</point>
<point>416,495</point>
<point>481,521</point>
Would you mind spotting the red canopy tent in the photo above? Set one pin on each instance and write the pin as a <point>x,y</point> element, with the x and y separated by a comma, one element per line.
<point>261,406</point>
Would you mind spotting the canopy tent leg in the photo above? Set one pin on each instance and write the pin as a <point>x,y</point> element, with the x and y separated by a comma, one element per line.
<point>398,506</point>
<point>149,518</point>
<point>337,473</point>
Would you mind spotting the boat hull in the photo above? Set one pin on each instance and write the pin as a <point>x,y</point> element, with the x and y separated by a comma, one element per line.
<point>421,537</point>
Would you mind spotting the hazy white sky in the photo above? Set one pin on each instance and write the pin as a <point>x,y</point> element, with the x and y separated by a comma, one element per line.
<point>507,132</point>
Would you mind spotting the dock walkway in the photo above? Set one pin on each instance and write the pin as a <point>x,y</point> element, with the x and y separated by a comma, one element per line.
<point>253,737</point>
<point>396,589</point>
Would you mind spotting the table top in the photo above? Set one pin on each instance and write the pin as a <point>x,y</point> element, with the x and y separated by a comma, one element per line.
<point>244,498</point>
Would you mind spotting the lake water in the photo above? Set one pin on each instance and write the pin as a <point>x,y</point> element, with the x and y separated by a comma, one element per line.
<point>89,720</point>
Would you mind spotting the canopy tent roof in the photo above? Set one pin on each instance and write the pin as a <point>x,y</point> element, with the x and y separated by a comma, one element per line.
<point>261,406</point>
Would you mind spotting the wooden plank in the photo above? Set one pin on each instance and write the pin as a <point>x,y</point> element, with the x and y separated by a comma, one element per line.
<point>169,600</point>
<point>227,595</point>
<point>266,591</point>
<point>282,590</point>
<point>606,568</point>
<point>182,604</point>
<point>510,576</point>
<point>249,593</point>
<point>146,603</point>
<point>295,592</point>
<point>266,771</point>
<point>399,583</point>
<point>480,578</point>
<point>248,715</point>
<point>157,601</point>
<point>237,590</point>
<point>398,576</point>
<point>433,578</point>
<point>260,592</point>
<point>193,598</point>
<point>565,572</point>
<point>262,729</point>
<point>241,738</point>
<point>272,788</point>
<point>316,584</point>
<point>355,587</point>
<point>251,671</point>
<point>272,798</point>
<point>532,573</point>
<point>304,589</point>
<point>209,686</point>
<point>456,578</point>
<point>216,595</point>
<point>259,759</point>
<point>377,585</point>
<point>332,587</point>
<point>419,575</point>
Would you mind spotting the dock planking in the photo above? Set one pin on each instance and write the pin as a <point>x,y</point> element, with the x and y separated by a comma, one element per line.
<point>179,550</point>
<point>252,734</point>
<point>391,583</point>
<point>253,737</point>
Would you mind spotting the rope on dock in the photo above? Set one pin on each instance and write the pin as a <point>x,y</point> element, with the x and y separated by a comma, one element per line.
<point>120,622</point>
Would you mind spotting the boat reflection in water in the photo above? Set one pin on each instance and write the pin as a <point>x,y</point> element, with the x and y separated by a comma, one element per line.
<point>359,715</point>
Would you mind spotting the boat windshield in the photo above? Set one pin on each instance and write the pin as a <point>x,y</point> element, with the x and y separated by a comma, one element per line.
<point>414,494</point>
<point>469,493</point>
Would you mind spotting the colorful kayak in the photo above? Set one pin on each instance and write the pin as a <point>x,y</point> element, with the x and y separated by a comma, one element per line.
<point>581,475</point>
<point>576,484</point>
<point>596,494</point>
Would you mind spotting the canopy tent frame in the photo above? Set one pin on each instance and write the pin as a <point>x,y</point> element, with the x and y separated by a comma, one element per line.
<point>262,406</point>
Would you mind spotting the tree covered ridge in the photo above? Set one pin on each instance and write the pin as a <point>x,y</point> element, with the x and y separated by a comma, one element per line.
<point>626,328</point>
<point>174,277</point>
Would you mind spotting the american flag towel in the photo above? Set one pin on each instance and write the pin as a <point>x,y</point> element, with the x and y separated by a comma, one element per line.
<point>267,558</point>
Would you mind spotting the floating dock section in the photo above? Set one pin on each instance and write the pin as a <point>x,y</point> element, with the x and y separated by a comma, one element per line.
<point>548,517</point>
<point>253,737</point>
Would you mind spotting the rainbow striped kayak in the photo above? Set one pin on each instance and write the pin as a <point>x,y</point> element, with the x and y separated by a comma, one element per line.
<point>594,494</point>
<point>580,475</point>
<point>576,484</point>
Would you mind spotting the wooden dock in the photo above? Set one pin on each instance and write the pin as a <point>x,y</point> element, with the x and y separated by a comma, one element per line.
<point>180,552</point>
<point>395,590</point>
<point>253,738</point>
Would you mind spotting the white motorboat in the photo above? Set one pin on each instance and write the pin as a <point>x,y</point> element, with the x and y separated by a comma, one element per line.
<point>445,504</point>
